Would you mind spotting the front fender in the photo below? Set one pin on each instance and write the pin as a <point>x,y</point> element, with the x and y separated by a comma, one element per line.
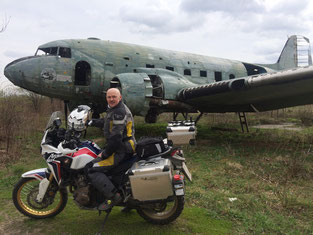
<point>38,174</point>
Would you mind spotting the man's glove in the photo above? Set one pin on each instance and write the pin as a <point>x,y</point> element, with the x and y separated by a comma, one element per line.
<point>87,168</point>
<point>104,155</point>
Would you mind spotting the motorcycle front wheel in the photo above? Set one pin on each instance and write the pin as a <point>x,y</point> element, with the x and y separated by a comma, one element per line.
<point>162,213</point>
<point>24,197</point>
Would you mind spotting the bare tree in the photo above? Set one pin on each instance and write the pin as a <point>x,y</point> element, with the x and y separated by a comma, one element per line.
<point>5,23</point>
<point>35,99</point>
<point>10,119</point>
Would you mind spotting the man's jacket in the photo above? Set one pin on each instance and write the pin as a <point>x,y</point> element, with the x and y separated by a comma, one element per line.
<point>118,126</point>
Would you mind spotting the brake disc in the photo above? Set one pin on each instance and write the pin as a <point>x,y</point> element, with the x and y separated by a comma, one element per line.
<point>32,199</point>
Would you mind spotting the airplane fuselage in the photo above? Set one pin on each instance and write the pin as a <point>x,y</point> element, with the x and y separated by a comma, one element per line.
<point>151,80</point>
<point>82,70</point>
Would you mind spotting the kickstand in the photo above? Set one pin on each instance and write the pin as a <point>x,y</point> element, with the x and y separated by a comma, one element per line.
<point>104,221</point>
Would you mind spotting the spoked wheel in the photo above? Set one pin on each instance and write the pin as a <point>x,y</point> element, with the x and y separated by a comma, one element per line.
<point>25,195</point>
<point>162,213</point>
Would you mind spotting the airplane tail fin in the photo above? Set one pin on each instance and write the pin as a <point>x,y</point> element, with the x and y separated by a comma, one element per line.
<point>296,53</point>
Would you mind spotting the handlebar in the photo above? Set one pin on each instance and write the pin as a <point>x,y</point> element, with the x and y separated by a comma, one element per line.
<point>71,144</point>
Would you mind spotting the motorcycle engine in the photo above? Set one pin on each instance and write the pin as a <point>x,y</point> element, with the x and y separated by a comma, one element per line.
<point>81,193</point>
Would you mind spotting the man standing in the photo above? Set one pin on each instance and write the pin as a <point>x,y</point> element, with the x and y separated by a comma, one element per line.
<point>119,132</point>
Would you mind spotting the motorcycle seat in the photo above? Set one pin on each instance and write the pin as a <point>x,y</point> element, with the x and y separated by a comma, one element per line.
<point>123,166</point>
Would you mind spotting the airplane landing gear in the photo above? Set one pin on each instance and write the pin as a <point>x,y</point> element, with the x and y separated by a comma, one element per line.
<point>66,108</point>
<point>151,117</point>
<point>95,115</point>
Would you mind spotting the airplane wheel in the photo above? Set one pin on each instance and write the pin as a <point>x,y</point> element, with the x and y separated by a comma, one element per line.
<point>151,118</point>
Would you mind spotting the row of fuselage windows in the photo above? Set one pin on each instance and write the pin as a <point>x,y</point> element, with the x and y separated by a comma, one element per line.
<point>66,53</point>
<point>203,73</point>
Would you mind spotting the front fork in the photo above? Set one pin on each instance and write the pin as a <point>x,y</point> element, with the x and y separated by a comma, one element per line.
<point>43,187</point>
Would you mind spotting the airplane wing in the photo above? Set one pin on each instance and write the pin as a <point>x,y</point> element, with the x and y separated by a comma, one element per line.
<point>255,93</point>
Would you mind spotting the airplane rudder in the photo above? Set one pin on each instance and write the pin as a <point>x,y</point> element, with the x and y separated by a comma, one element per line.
<point>296,53</point>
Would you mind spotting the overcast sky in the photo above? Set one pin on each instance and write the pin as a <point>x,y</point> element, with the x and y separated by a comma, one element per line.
<point>245,30</point>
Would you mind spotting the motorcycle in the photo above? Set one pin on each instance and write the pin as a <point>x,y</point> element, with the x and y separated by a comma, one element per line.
<point>151,181</point>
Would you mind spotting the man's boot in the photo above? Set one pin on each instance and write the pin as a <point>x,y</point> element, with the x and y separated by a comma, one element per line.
<point>115,200</point>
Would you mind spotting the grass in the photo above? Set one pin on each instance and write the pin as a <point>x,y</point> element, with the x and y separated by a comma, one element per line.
<point>267,172</point>
<point>88,222</point>
<point>243,183</point>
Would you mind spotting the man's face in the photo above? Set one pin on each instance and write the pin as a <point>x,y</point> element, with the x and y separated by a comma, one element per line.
<point>113,97</point>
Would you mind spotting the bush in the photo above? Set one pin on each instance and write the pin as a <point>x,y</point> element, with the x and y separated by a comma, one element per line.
<point>306,118</point>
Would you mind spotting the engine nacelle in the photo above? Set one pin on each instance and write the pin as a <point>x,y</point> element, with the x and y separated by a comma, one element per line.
<point>136,89</point>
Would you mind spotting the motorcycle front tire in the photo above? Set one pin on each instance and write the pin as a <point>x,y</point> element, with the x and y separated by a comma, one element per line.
<point>24,198</point>
<point>162,213</point>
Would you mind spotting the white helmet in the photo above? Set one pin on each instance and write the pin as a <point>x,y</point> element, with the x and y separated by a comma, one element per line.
<point>78,118</point>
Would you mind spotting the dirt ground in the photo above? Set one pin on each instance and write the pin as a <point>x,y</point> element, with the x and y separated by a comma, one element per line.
<point>284,126</point>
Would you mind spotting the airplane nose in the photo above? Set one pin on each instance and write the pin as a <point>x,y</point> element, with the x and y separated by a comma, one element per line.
<point>8,72</point>
<point>14,71</point>
<point>11,73</point>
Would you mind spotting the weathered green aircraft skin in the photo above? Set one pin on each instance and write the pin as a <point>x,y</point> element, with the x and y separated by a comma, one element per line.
<point>154,80</point>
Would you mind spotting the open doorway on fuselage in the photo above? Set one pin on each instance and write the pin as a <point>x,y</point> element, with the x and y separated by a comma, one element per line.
<point>82,73</point>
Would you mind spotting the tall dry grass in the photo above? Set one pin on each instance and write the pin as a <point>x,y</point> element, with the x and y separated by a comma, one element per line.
<point>22,116</point>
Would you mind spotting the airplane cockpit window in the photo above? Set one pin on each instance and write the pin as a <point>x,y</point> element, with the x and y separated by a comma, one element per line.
<point>47,51</point>
<point>53,51</point>
<point>61,51</point>
<point>65,52</point>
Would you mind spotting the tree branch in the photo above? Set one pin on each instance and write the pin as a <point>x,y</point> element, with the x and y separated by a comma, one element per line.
<point>5,23</point>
